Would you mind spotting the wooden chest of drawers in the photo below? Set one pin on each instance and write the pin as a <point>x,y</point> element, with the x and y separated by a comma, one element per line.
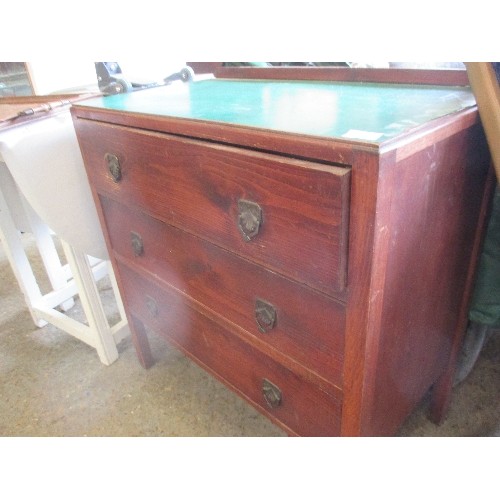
<point>322,276</point>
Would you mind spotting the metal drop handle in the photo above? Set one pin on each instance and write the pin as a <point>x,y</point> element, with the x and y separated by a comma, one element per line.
<point>249,219</point>
<point>137,244</point>
<point>265,315</point>
<point>271,393</point>
<point>114,166</point>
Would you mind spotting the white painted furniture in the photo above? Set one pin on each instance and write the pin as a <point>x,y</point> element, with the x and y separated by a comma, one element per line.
<point>44,190</point>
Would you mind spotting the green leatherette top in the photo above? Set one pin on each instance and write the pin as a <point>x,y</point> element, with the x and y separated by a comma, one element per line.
<point>364,111</point>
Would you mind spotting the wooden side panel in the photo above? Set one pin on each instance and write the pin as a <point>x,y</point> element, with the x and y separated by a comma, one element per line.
<point>198,186</point>
<point>434,208</point>
<point>304,409</point>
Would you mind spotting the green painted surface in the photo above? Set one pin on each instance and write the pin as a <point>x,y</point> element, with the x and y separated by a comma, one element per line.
<point>367,111</point>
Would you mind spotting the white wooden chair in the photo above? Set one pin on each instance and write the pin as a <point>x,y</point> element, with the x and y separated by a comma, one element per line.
<point>44,190</point>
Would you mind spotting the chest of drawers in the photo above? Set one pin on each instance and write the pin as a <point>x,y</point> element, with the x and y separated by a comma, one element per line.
<point>309,244</point>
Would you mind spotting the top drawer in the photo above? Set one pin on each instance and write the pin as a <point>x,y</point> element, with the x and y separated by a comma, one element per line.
<point>286,214</point>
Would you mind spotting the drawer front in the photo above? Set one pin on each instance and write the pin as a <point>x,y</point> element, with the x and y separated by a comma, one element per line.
<point>286,397</point>
<point>274,311</point>
<point>288,215</point>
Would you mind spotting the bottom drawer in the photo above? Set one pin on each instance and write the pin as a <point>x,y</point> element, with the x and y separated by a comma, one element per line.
<point>291,400</point>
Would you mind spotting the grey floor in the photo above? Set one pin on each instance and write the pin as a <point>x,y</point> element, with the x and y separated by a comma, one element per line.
<point>54,385</point>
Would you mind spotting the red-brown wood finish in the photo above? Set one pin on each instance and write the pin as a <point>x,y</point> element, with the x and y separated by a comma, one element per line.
<point>198,186</point>
<point>442,389</point>
<point>309,326</point>
<point>331,73</point>
<point>383,75</point>
<point>361,348</point>
<point>428,224</point>
<point>363,300</point>
<point>307,408</point>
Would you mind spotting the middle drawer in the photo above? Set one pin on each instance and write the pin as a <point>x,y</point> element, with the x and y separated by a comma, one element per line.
<point>272,311</point>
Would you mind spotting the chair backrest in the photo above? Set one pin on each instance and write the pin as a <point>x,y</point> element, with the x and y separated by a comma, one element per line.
<point>484,83</point>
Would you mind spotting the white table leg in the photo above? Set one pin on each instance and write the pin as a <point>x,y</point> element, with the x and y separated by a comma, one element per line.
<point>18,260</point>
<point>89,295</point>
<point>48,252</point>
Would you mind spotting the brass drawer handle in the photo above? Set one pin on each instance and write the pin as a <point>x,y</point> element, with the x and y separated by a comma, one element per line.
<point>137,244</point>
<point>271,393</point>
<point>114,166</point>
<point>249,219</point>
<point>152,306</point>
<point>265,315</point>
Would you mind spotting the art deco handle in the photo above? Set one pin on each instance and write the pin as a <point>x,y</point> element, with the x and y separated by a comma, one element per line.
<point>271,393</point>
<point>114,166</point>
<point>137,244</point>
<point>152,306</point>
<point>249,219</point>
<point>265,315</point>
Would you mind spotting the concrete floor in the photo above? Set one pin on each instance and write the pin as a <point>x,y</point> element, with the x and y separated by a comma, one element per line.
<point>54,385</point>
